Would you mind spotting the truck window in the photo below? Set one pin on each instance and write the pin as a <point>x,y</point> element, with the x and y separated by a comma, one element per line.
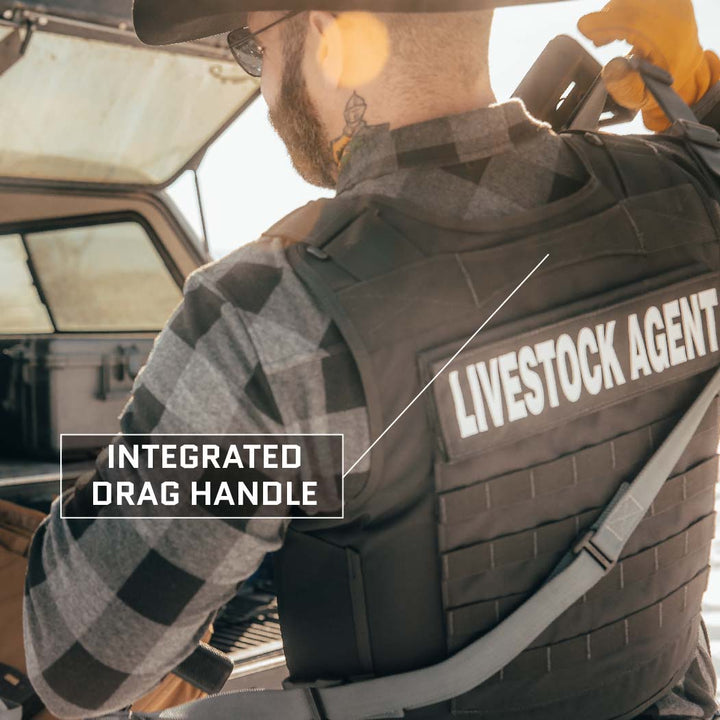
<point>102,278</point>
<point>79,109</point>
<point>21,310</point>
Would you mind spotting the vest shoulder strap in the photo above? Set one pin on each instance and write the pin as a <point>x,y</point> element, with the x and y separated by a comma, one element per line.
<point>316,222</point>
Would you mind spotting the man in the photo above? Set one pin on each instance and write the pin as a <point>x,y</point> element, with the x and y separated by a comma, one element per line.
<point>396,111</point>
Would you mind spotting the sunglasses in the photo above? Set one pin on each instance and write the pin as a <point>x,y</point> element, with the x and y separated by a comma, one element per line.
<point>246,49</point>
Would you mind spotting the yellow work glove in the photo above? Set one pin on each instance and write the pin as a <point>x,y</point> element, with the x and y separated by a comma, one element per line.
<point>663,32</point>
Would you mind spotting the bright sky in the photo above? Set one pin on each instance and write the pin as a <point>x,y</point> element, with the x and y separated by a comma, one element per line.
<point>249,184</point>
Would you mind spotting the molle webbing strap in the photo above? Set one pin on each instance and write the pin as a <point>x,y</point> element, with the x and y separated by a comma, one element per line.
<point>590,560</point>
<point>637,581</point>
<point>679,559</point>
<point>525,559</point>
<point>678,609</point>
<point>471,569</point>
<point>515,686</point>
<point>559,476</point>
<point>552,538</point>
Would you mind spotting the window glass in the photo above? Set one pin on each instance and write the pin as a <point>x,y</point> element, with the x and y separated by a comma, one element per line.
<point>88,110</point>
<point>103,278</point>
<point>21,310</point>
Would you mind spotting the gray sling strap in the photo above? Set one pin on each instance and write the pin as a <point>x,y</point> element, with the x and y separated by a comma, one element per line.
<point>388,697</point>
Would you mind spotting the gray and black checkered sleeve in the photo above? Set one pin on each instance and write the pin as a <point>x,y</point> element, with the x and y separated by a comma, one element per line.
<point>112,606</point>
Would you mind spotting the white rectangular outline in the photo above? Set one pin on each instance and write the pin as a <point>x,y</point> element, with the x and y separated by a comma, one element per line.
<point>216,435</point>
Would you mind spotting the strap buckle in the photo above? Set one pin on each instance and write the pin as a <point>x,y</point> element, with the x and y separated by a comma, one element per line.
<point>587,543</point>
<point>207,669</point>
<point>696,133</point>
<point>15,689</point>
<point>316,252</point>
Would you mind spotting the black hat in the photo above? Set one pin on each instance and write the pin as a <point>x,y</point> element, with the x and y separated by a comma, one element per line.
<point>161,22</point>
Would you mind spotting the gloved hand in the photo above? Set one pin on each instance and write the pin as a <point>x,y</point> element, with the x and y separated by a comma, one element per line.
<point>663,32</point>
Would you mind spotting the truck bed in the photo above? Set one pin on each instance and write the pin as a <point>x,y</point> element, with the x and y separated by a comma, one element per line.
<point>35,483</point>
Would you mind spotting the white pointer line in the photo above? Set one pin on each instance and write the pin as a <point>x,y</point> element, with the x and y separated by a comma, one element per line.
<point>447,365</point>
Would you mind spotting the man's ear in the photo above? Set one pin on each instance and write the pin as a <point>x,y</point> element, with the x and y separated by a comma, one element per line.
<point>353,47</point>
<point>329,45</point>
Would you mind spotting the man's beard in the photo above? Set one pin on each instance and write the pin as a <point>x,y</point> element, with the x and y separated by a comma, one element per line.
<point>297,122</point>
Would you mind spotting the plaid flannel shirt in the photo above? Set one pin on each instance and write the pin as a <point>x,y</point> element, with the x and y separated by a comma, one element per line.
<point>111,607</point>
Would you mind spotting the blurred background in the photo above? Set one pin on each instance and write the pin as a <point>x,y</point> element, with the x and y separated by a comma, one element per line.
<point>248,183</point>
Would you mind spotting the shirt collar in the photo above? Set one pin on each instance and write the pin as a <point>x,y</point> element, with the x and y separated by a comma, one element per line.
<point>441,142</point>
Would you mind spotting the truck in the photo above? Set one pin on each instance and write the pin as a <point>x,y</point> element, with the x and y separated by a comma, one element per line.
<point>93,251</point>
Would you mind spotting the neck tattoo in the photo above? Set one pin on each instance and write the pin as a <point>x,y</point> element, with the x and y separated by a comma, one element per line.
<point>355,124</point>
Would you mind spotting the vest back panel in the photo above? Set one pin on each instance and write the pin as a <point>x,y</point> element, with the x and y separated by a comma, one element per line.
<point>488,478</point>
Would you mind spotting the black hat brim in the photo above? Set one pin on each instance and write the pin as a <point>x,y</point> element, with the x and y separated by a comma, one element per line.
<point>163,22</point>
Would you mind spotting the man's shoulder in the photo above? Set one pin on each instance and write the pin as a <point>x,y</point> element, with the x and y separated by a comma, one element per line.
<point>260,261</point>
<point>317,220</point>
<point>259,288</point>
<point>259,264</point>
<point>300,223</point>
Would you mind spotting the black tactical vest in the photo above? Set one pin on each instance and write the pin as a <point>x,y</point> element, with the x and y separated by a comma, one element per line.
<point>487,480</point>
